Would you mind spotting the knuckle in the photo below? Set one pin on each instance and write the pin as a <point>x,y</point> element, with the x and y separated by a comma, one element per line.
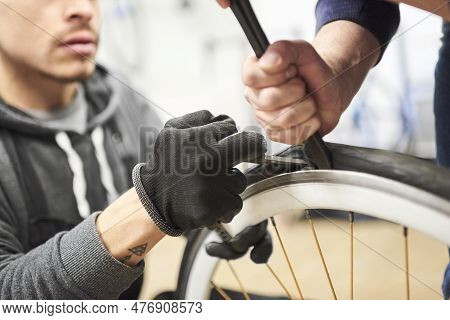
<point>303,111</point>
<point>269,98</point>
<point>274,127</point>
<point>282,47</point>
<point>310,110</point>
<point>286,122</point>
<point>272,134</point>
<point>248,93</point>
<point>298,86</point>
<point>249,78</point>
<point>298,114</point>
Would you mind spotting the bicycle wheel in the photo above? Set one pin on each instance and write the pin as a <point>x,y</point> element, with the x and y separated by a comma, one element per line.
<point>397,188</point>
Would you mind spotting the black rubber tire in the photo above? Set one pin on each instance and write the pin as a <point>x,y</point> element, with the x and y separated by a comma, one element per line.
<point>420,173</point>
<point>193,244</point>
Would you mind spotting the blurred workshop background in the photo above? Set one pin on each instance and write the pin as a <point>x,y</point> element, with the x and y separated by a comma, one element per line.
<point>186,55</point>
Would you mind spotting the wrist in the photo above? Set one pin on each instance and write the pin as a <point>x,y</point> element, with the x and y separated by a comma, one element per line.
<point>126,230</point>
<point>350,51</point>
<point>145,194</point>
<point>347,45</point>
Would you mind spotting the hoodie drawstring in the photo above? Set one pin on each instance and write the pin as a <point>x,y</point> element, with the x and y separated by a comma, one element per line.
<point>76,166</point>
<point>106,176</point>
<point>79,180</point>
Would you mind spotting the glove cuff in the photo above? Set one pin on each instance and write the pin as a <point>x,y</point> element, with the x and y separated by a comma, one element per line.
<point>149,206</point>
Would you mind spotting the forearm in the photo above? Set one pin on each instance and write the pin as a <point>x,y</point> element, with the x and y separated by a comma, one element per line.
<point>439,7</point>
<point>126,229</point>
<point>350,50</point>
<point>71,265</point>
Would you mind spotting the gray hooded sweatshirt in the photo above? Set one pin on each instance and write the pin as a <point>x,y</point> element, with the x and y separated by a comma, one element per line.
<point>51,185</point>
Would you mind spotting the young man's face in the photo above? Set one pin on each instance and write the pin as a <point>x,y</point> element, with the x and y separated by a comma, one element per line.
<point>56,38</point>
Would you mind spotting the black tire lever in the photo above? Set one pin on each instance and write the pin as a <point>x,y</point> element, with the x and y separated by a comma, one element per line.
<point>315,148</point>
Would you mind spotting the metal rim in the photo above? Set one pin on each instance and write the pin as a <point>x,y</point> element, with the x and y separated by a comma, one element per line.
<point>203,266</point>
<point>350,178</point>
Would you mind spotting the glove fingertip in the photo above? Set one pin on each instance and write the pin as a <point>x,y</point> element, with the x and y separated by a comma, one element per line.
<point>222,251</point>
<point>262,252</point>
<point>212,247</point>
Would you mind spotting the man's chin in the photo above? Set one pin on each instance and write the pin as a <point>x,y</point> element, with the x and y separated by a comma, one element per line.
<point>72,73</point>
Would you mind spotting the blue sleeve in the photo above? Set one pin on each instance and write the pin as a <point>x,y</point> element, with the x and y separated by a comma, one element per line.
<point>381,18</point>
<point>446,284</point>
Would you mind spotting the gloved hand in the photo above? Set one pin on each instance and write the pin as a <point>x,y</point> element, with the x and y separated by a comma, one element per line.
<point>256,236</point>
<point>190,182</point>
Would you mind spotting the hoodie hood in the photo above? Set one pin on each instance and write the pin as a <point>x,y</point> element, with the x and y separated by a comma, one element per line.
<point>103,100</point>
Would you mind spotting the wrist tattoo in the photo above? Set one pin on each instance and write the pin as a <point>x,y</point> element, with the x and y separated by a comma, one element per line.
<point>125,259</point>
<point>138,250</point>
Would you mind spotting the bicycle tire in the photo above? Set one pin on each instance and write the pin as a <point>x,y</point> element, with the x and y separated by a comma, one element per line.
<point>410,171</point>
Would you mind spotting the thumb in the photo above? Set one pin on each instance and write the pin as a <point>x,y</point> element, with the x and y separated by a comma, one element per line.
<point>279,56</point>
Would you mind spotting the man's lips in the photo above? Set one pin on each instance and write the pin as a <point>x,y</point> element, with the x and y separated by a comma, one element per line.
<point>84,44</point>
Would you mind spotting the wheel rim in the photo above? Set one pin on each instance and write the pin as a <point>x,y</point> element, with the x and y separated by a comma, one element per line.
<point>340,190</point>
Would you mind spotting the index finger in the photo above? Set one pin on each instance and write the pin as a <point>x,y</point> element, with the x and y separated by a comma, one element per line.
<point>242,147</point>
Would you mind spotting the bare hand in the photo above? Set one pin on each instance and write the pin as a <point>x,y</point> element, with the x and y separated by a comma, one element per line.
<point>293,92</point>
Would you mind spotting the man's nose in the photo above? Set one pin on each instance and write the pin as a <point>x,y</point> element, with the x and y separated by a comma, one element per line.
<point>83,10</point>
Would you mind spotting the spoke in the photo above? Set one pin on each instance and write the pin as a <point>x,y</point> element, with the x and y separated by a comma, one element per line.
<point>244,292</point>
<point>272,219</point>
<point>308,216</point>
<point>406,247</point>
<point>221,292</point>
<point>279,281</point>
<point>351,219</point>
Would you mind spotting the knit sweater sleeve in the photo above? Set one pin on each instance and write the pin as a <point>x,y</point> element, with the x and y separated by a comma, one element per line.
<point>379,17</point>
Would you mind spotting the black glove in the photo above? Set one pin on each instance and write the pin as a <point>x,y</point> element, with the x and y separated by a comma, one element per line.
<point>190,182</point>
<point>237,247</point>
